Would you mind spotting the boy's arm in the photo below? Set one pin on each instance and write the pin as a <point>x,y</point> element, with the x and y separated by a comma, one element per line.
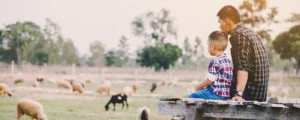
<point>203,84</point>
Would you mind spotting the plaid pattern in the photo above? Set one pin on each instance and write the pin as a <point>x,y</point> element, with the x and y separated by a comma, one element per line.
<point>249,54</point>
<point>220,72</point>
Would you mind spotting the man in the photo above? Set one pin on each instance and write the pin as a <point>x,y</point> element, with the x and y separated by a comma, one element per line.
<point>249,57</point>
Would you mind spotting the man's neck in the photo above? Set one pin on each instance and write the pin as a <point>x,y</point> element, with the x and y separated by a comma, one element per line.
<point>234,26</point>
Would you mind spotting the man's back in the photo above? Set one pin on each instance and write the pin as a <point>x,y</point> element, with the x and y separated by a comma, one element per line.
<point>249,54</point>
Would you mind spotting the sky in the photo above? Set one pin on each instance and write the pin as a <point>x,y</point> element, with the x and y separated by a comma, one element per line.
<point>85,21</point>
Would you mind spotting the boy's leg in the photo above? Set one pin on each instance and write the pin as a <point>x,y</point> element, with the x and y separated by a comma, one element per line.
<point>199,94</point>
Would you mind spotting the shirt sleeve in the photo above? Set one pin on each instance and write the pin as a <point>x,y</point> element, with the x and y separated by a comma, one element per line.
<point>213,68</point>
<point>243,53</point>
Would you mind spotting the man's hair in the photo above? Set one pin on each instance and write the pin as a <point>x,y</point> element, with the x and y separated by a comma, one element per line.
<point>219,39</point>
<point>231,13</point>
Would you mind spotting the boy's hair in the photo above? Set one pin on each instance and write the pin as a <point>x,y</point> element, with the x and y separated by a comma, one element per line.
<point>230,12</point>
<point>219,39</point>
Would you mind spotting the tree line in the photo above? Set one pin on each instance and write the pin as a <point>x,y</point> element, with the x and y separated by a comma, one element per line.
<point>26,42</point>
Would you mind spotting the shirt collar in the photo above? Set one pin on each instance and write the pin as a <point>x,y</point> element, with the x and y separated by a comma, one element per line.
<point>224,54</point>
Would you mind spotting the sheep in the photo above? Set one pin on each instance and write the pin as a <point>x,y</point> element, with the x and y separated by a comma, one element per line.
<point>4,89</point>
<point>35,84</point>
<point>284,92</point>
<point>163,83</point>
<point>143,113</point>
<point>135,87</point>
<point>31,108</point>
<point>88,81</point>
<point>77,86</point>
<point>63,84</point>
<point>128,90</point>
<point>40,79</point>
<point>118,98</point>
<point>19,80</point>
<point>153,87</point>
<point>104,88</point>
<point>271,91</point>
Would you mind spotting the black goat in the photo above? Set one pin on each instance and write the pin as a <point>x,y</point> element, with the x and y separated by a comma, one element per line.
<point>153,87</point>
<point>144,115</point>
<point>118,98</point>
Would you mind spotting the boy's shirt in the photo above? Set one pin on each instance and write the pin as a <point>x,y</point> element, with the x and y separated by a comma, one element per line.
<point>220,73</point>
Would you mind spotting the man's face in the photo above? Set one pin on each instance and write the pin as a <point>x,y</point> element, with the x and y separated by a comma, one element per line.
<point>224,25</point>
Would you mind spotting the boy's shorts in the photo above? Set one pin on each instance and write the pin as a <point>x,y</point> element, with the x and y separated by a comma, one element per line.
<point>206,93</point>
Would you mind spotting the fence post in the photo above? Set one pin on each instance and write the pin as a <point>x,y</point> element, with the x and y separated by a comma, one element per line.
<point>73,70</point>
<point>12,69</point>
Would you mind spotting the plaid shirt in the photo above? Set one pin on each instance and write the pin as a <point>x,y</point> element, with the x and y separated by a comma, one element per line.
<point>220,73</point>
<point>249,54</point>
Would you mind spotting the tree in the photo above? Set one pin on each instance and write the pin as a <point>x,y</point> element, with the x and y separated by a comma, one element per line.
<point>97,53</point>
<point>123,49</point>
<point>295,18</point>
<point>52,34</point>
<point>154,27</point>
<point>16,39</point>
<point>112,59</point>
<point>159,56</point>
<point>69,53</point>
<point>256,14</point>
<point>188,52</point>
<point>198,51</point>
<point>287,45</point>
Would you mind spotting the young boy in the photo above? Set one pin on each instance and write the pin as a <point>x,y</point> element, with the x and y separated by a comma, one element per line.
<point>219,76</point>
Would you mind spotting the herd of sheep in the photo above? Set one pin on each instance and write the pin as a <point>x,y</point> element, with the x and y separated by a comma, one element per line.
<point>35,110</point>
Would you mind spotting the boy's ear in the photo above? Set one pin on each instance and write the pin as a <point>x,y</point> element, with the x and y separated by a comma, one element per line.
<point>213,46</point>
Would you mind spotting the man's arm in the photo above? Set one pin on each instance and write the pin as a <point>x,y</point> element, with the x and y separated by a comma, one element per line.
<point>242,78</point>
<point>203,84</point>
<point>243,63</point>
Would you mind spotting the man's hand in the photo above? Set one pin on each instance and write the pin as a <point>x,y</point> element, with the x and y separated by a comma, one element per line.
<point>238,98</point>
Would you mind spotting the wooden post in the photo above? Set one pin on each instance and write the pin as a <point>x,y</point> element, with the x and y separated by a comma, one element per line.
<point>12,69</point>
<point>45,68</point>
<point>73,70</point>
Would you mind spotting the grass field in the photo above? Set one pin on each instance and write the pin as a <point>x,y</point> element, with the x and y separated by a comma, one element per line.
<point>90,107</point>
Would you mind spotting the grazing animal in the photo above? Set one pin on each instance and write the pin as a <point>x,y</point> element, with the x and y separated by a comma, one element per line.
<point>271,91</point>
<point>77,86</point>
<point>35,84</point>
<point>20,80</point>
<point>163,83</point>
<point>63,84</point>
<point>153,87</point>
<point>135,87</point>
<point>31,108</point>
<point>40,79</point>
<point>118,98</point>
<point>144,113</point>
<point>4,89</point>
<point>128,90</point>
<point>104,88</point>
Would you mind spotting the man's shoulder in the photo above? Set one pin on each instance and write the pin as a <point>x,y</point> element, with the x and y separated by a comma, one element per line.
<point>242,30</point>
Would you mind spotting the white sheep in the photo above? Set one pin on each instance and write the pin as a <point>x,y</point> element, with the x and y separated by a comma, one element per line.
<point>31,108</point>
<point>63,84</point>
<point>271,91</point>
<point>284,92</point>
<point>104,88</point>
<point>4,89</point>
<point>143,113</point>
<point>19,80</point>
<point>35,84</point>
<point>77,86</point>
<point>135,87</point>
<point>128,90</point>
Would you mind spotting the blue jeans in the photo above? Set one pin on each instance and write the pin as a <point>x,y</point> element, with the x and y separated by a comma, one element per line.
<point>206,93</point>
